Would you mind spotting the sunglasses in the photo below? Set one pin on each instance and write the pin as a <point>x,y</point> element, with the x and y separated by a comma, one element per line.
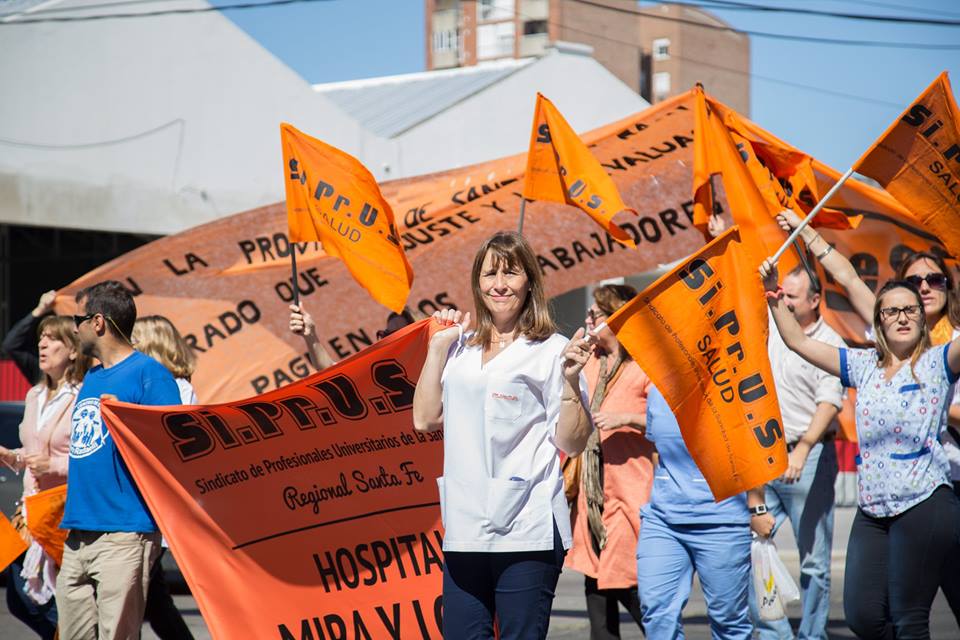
<point>79,320</point>
<point>934,280</point>
<point>912,311</point>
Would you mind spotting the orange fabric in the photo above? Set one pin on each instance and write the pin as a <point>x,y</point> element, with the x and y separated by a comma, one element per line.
<point>44,513</point>
<point>334,200</point>
<point>627,481</point>
<point>560,168</point>
<point>700,333</point>
<point>304,512</point>
<point>11,544</point>
<point>917,159</point>
<point>719,149</point>
<point>227,284</point>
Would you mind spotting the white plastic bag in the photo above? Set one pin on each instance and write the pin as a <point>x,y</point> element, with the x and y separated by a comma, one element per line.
<point>774,586</point>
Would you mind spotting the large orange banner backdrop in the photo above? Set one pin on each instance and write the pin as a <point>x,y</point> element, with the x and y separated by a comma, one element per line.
<point>227,284</point>
<point>306,512</point>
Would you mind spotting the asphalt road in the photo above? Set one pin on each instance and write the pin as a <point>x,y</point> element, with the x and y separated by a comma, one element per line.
<point>569,620</point>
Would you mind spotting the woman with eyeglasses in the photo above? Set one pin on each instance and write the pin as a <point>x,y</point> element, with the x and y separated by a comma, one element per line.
<point>43,459</point>
<point>908,521</point>
<point>615,473</point>
<point>941,307</point>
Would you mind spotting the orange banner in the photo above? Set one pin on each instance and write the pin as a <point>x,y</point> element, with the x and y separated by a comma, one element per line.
<point>44,513</point>
<point>11,544</point>
<point>700,333</point>
<point>720,150</point>
<point>307,512</point>
<point>334,200</point>
<point>227,284</point>
<point>560,168</point>
<point>917,159</point>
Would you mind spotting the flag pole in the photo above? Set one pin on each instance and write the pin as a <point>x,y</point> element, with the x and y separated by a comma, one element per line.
<point>523,206</point>
<point>810,216</point>
<point>293,268</point>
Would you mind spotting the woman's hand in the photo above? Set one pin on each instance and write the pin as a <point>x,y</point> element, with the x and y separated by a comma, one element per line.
<point>716,225</point>
<point>769,275</point>
<point>788,220</point>
<point>301,322</point>
<point>45,304</point>
<point>605,420</point>
<point>38,463</point>
<point>8,457</point>
<point>576,355</point>
<point>763,524</point>
<point>449,318</point>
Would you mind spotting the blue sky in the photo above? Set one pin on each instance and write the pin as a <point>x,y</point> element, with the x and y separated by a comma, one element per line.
<point>346,39</point>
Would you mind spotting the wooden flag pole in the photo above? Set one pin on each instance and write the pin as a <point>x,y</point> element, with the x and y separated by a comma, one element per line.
<point>523,207</point>
<point>811,215</point>
<point>293,269</point>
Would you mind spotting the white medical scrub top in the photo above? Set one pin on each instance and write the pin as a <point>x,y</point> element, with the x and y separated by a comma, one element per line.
<point>502,489</point>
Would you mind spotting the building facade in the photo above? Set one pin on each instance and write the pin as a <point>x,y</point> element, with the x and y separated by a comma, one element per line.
<point>658,51</point>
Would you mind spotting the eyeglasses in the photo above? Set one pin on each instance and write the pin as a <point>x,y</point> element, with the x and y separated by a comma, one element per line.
<point>79,320</point>
<point>595,315</point>
<point>912,311</point>
<point>935,280</point>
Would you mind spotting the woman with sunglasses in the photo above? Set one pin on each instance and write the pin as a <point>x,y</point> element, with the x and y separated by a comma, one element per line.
<point>908,521</point>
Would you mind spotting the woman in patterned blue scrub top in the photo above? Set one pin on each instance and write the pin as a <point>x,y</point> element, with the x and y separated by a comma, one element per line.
<point>908,518</point>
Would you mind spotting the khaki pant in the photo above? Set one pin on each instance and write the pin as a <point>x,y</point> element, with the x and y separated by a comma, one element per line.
<point>102,585</point>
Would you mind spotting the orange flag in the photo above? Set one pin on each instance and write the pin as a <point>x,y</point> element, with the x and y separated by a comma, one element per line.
<point>717,149</point>
<point>700,333</point>
<point>917,159</point>
<point>560,168</point>
<point>11,544</point>
<point>334,200</point>
<point>44,513</point>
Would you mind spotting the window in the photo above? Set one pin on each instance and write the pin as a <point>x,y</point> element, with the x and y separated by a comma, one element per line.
<point>534,26</point>
<point>488,10</point>
<point>661,49</point>
<point>661,86</point>
<point>444,40</point>
<point>495,40</point>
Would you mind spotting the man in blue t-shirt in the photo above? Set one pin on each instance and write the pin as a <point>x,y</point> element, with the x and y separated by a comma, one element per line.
<point>113,539</point>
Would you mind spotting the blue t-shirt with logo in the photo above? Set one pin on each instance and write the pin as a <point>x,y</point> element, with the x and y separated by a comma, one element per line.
<point>101,494</point>
<point>680,494</point>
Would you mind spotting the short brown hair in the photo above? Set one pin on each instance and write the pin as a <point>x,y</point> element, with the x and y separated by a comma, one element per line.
<point>156,337</point>
<point>511,249</point>
<point>61,328</point>
<point>610,297</point>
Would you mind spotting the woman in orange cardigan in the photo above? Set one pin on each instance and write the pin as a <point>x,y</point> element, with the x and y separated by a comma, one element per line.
<point>616,474</point>
<point>43,458</point>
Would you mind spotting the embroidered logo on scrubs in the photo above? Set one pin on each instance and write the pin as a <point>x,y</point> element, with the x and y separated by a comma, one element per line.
<point>89,433</point>
<point>504,396</point>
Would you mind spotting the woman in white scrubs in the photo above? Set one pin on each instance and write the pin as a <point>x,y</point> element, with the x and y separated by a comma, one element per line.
<point>509,396</point>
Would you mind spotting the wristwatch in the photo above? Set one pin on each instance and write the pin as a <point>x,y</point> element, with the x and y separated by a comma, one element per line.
<point>758,510</point>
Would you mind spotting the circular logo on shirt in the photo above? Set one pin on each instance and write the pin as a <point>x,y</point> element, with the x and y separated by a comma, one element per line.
<point>89,433</point>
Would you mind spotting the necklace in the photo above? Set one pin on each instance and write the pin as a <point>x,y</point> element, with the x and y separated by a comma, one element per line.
<point>501,340</point>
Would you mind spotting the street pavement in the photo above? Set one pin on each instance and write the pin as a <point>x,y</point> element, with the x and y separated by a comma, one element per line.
<point>569,619</point>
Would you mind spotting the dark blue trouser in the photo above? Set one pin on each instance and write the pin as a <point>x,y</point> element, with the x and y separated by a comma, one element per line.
<point>893,567</point>
<point>516,587</point>
<point>42,618</point>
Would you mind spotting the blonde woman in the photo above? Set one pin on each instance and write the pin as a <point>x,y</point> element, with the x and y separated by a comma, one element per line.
<point>158,338</point>
<point>508,397</point>
<point>43,459</point>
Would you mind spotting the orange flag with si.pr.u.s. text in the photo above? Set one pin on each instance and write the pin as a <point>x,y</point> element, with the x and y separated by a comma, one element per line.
<point>917,160</point>
<point>44,513</point>
<point>700,333</point>
<point>333,199</point>
<point>560,168</point>
<point>719,150</point>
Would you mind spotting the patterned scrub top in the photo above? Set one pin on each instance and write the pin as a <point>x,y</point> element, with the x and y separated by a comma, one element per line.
<point>899,425</point>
